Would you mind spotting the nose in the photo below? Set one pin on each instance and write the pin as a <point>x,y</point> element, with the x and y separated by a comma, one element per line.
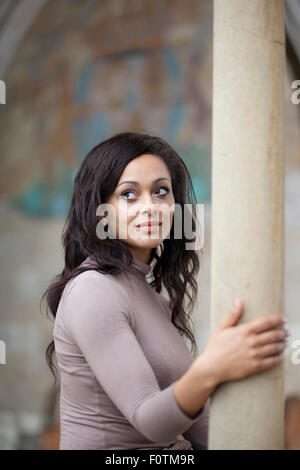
<point>148,206</point>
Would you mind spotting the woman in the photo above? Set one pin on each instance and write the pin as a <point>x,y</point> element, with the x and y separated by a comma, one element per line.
<point>128,379</point>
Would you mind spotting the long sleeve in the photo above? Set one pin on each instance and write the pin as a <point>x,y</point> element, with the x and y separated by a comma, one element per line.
<point>197,434</point>
<point>99,320</point>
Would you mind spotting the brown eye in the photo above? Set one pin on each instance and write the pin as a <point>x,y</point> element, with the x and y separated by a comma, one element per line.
<point>125,194</point>
<point>165,188</point>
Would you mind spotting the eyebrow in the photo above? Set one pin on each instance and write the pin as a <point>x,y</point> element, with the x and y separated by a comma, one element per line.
<point>137,184</point>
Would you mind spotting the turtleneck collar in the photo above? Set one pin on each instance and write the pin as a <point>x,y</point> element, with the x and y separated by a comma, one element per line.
<point>141,266</point>
<point>144,268</point>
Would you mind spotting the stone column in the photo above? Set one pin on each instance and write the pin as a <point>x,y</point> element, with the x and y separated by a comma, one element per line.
<point>248,207</point>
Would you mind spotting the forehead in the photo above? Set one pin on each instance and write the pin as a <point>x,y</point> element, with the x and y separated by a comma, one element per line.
<point>145,168</point>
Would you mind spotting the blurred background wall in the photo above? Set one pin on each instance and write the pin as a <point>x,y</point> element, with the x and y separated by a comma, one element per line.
<point>76,72</point>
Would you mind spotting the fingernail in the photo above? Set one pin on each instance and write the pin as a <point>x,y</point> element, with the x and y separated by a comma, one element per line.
<point>237,302</point>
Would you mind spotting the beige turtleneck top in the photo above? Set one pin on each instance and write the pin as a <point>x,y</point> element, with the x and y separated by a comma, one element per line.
<point>119,356</point>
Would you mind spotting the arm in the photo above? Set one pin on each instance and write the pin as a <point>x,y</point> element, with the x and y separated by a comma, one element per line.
<point>197,434</point>
<point>98,318</point>
<point>192,392</point>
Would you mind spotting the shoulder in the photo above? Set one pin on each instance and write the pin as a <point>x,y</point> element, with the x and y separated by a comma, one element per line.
<point>92,280</point>
<point>95,291</point>
<point>95,305</point>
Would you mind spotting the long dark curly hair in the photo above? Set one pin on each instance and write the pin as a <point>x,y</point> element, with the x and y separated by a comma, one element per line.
<point>176,268</point>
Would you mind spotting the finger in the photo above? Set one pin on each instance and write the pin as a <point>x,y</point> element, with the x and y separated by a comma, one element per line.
<point>232,315</point>
<point>266,363</point>
<point>265,323</point>
<point>276,334</point>
<point>270,349</point>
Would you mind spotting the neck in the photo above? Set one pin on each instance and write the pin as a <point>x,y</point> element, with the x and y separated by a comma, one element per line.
<point>142,254</point>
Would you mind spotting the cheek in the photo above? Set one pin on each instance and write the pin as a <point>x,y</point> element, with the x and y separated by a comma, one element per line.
<point>167,214</point>
<point>126,216</point>
<point>118,215</point>
<point>122,220</point>
<point>170,210</point>
<point>121,209</point>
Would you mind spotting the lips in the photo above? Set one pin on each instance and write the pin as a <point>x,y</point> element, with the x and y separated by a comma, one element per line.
<point>149,224</point>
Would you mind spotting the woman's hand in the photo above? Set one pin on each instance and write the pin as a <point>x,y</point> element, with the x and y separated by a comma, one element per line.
<point>234,352</point>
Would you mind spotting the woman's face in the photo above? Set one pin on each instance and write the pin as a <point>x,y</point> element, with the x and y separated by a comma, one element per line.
<point>140,198</point>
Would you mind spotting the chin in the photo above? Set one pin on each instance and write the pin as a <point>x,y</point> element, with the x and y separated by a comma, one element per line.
<point>146,243</point>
